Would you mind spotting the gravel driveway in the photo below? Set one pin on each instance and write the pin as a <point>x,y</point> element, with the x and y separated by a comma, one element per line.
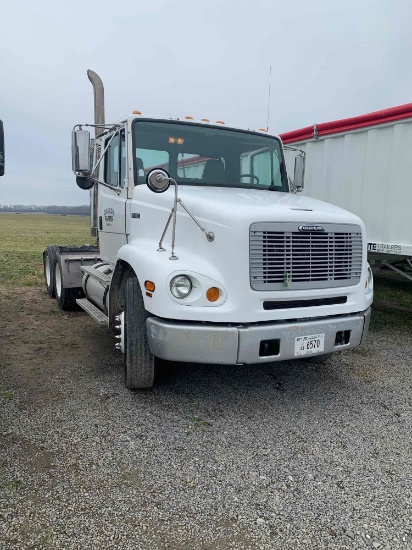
<point>289,455</point>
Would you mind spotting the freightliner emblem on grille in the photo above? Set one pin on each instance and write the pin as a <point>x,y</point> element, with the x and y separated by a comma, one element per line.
<point>310,228</point>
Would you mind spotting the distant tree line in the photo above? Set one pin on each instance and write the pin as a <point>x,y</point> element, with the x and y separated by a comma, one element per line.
<point>83,210</point>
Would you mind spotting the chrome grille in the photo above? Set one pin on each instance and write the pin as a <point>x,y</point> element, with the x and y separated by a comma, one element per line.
<point>281,257</point>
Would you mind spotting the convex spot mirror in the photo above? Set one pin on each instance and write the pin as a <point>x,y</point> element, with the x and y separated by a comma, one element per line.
<point>158,180</point>
<point>299,171</point>
<point>81,158</point>
<point>84,182</point>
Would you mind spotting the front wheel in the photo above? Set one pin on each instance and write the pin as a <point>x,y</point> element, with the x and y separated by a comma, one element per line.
<point>140,364</point>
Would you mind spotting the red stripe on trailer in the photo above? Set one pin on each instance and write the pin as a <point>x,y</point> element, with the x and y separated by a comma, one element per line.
<point>297,135</point>
<point>346,124</point>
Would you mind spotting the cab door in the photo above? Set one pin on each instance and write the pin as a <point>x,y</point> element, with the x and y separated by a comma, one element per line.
<point>112,198</point>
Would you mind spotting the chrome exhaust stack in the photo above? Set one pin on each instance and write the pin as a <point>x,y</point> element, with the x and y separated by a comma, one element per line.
<point>99,118</point>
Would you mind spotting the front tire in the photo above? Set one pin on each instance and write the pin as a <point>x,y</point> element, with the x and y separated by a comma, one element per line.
<point>139,363</point>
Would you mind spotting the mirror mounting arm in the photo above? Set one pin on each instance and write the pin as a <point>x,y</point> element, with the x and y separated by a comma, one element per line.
<point>155,179</point>
<point>115,189</point>
<point>208,234</point>
<point>103,153</point>
<point>94,180</point>
<point>295,190</point>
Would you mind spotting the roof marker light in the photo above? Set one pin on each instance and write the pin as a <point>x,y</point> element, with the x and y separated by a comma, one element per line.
<point>204,120</point>
<point>136,112</point>
<point>262,130</point>
<point>188,117</point>
<point>219,122</point>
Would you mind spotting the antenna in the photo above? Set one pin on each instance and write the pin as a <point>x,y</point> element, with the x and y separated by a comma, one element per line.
<point>270,75</point>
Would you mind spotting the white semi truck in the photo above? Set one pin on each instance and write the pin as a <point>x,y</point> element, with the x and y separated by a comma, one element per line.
<point>224,263</point>
<point>364,164</point>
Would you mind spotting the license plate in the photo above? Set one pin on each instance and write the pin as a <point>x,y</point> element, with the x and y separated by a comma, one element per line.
<point>306,345</point>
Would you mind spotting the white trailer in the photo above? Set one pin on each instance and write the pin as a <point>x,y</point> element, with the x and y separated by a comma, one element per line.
<point>206,253</point>
<point>364,164</point>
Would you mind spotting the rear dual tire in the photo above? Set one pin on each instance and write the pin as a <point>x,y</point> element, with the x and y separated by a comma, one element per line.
<point>66,297</point>
<point>49,262</point>
<point>53,275</point>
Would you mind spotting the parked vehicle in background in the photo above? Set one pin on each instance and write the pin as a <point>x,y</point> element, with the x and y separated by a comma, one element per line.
<point>364,164</point>
<point>206,253</point>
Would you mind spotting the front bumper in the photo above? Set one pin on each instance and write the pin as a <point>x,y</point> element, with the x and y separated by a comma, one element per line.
<point>241,344</point>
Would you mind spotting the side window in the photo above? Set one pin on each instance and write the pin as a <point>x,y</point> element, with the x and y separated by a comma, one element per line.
<point>111,161</point>
<point>266,166</point>
<point>147,159</point>
<point>276,173</point>
<point>262,167</point>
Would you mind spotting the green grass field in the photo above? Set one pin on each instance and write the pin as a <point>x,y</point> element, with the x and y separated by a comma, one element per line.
<point>23,237</point>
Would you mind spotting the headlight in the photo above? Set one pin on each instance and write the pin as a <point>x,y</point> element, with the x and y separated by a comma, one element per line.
<point>181,286</point>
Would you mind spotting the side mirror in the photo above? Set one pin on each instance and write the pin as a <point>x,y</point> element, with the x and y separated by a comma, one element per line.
<point>158,180</point>
<point>81,161</point>
<point>299,172</point>
<point>84,182</point>
<point>1,148</point>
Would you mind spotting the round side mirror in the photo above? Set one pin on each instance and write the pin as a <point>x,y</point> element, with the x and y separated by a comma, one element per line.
<point>84,182</point>
<point>158,180</point>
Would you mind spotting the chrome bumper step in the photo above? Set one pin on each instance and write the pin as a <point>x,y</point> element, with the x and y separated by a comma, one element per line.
<point>93,311</point>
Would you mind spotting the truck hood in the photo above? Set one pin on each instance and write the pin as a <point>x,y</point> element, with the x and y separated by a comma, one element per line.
<point>221,205</point>
<point>224,261</point>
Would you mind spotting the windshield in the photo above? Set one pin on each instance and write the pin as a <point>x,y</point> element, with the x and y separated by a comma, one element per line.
<point>203,155</point>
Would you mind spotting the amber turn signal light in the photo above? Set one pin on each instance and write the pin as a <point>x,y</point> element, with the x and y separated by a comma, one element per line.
<point>212,294</point>
<point>150,286</point>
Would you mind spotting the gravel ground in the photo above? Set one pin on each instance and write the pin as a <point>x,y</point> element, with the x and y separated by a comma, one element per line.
<point>288,455</point>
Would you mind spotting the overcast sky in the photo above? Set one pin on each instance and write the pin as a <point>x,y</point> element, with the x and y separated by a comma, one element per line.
<point>330,60</point>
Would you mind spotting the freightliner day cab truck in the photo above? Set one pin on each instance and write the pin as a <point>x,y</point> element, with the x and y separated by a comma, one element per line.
<point>207,253</point>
